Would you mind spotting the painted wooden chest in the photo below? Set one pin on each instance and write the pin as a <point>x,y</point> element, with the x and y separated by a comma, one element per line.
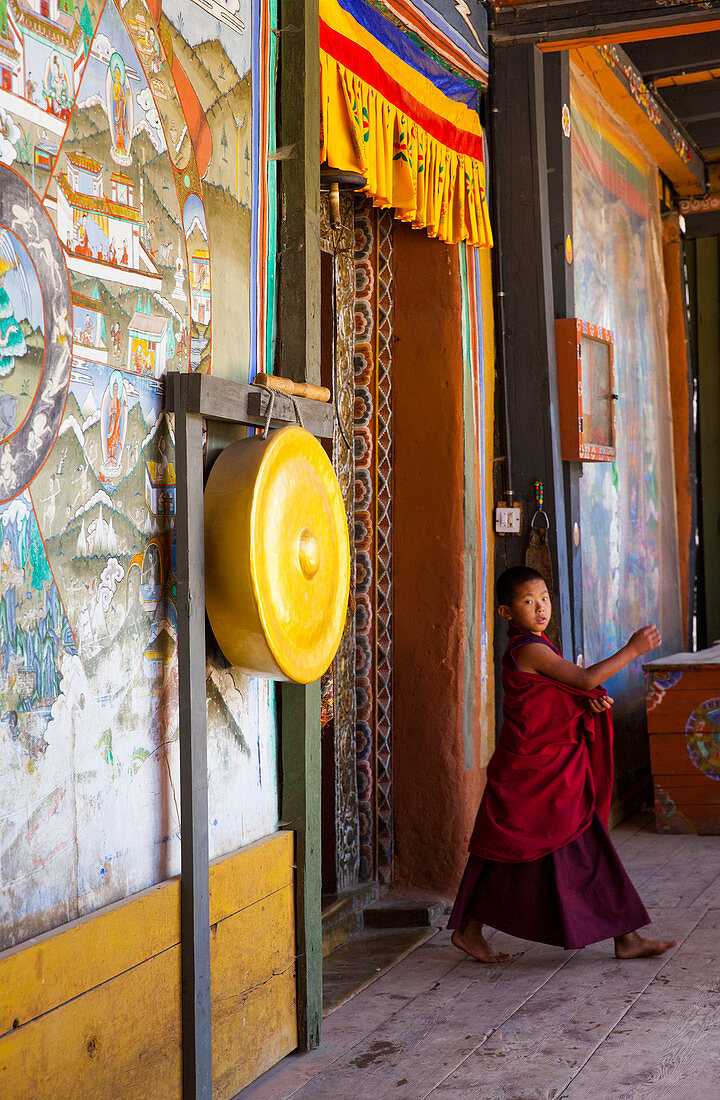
<point>683,714</point>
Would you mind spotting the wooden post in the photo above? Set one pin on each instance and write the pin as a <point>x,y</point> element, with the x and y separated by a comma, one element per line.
<point>556,77</point>
<point>299,314</point>
<point>707,320</point>
<point>194,879</point>
<point>694,553</point>
<point>191,398</point>
<point>518,142</point>
<point>560,23</point>
<point>299,359</point>
<point>300,811</point>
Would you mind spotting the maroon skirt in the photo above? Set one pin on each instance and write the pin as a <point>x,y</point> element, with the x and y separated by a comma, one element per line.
<point>578,895</point>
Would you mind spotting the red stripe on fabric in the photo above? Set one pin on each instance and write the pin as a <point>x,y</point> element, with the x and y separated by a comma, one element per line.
<point>363,64</point>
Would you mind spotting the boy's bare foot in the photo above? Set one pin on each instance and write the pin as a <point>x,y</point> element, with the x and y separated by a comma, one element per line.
<point>634,946</point>
<point>470,939</point>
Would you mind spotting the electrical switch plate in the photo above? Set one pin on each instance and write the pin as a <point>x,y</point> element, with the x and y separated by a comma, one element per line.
<point>507,521</point>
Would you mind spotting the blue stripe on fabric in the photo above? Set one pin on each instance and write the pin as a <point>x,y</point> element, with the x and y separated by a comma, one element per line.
<point>437,20</point>
<point>406,50</point>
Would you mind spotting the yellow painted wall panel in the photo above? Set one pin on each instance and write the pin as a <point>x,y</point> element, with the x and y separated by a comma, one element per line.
<point>59,965</point>
<point>122,1038</point>
<point>253,1041</point>
<point>253,992</point>
<point>251,944</point>
<point>250,874</point>
<point>119,1040</point>
<point>47,971</point>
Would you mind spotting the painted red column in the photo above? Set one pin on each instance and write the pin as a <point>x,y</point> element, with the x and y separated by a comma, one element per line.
<point>434,798</point>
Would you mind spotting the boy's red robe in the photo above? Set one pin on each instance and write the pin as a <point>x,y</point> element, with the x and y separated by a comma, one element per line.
<point>551,770</point>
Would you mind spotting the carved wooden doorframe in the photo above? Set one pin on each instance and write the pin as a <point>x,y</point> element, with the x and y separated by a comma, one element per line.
<point>339,244</point>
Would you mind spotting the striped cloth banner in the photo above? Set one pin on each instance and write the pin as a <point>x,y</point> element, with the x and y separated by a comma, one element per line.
<point>394,115</point>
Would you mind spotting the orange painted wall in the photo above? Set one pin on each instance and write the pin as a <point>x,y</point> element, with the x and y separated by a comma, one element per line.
<point>434,798</point>
<point>680,401</point>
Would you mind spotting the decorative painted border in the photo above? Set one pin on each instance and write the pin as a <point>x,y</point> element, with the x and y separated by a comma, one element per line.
<point>478,425</point>
<point>338,243</point>
<point>373,536</point>
<point>365,560</point>
<point>264,190</point>
<point>483,418</point>
<point>384,548</point>
<point>704,205</point>
<point>27,448</point>
<point>654,111</point>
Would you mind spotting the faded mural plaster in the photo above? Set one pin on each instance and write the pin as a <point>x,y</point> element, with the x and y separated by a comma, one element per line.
<point>126,206</point>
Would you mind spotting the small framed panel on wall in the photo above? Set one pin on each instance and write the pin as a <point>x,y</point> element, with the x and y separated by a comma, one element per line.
<point>586,385</point>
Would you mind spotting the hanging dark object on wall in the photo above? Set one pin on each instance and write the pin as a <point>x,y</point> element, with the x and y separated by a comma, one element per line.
<point>537,556</point>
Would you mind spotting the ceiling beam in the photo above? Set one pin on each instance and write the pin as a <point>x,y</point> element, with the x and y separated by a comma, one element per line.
<point>702,225</point>
<point>706,134</point>
<point>623,89</point>
<point>702,216</point>
<point>692,53</point>
<point>692,102</point>
<point>562,22</point>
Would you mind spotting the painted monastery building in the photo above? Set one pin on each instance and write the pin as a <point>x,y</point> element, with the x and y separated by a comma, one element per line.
<point>92,225</point>
<point>42,50</point>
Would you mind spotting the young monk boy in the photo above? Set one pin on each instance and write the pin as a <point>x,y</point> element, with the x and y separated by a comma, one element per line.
<point>542,866</point>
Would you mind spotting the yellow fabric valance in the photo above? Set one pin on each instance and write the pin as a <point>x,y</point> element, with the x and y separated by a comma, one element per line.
<point>420,151</point>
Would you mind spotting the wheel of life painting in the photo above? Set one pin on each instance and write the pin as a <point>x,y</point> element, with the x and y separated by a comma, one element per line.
<point>702,735</point>
<point>35,334</point>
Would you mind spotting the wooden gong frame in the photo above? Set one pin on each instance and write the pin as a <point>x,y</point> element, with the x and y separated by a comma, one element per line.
<point>192,398</point>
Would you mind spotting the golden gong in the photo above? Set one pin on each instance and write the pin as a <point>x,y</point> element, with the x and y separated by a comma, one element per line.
<point>277,556</point>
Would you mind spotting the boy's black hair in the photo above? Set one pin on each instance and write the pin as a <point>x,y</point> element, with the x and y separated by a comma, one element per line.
<point>508,582</point>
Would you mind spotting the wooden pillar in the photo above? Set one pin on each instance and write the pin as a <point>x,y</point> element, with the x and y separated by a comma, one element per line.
<point>193,397</point>
<point>525,261</point>
<point>707,313</point>
<point>195,861</point>
<point>299,111</point>
<point>682,386</point>
<point>299,359</point>
<point>556,78</point>
<point>300,811</point>
<point>340,796</point>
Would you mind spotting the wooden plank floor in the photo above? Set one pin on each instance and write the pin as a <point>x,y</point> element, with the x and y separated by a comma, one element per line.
<point>550,1024</point>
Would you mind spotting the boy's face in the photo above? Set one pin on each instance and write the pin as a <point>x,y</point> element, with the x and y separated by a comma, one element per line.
<point>530,607</point>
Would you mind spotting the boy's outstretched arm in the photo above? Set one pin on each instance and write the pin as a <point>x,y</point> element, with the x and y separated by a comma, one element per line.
<point>544,661</point>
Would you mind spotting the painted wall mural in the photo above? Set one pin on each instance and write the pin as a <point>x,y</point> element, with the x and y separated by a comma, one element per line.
<point>131,220</point>
<point>629,531</point>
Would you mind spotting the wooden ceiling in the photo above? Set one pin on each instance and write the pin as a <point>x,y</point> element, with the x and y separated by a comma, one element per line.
<point>685,74</point>
<point>674,45</point>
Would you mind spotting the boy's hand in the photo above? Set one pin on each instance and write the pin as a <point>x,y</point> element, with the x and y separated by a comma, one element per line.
<point>597,706</point>
<point>644,640</point>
